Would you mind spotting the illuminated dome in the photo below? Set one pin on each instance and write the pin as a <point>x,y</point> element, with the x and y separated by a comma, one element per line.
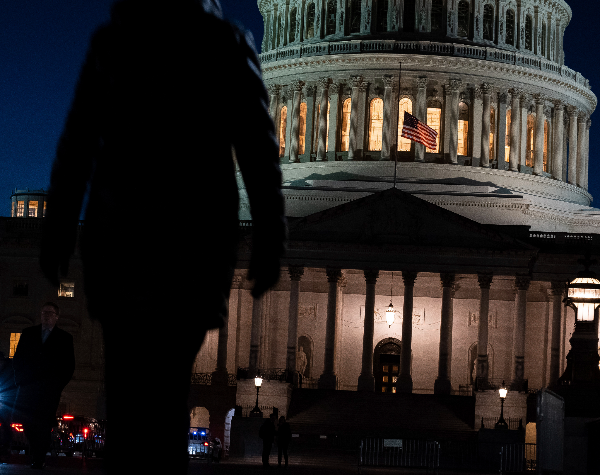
<point>332,70</point>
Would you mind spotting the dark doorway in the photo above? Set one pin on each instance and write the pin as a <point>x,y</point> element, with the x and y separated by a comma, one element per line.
<point>386,365</point>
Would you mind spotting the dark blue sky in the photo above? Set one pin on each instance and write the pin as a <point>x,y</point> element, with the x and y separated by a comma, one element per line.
<point>43,43</point>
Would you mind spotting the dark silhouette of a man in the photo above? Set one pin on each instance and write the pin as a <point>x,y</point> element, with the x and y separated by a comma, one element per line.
<point>168,91</point>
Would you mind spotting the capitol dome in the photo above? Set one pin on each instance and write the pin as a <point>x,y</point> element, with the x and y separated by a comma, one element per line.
<point>489,76</point>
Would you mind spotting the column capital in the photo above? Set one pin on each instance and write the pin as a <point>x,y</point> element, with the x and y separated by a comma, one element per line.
<point>296,272</point>
<point>572,111</point>
<point>333,274</point>
<point>486,88</point>
<point>409,278</point>
<point>516,92</point>
<point>236,282</point>
<point>324,83</point>
<point>274,89</point>
<point>310,90</point>
<point>522,282</point>
<point>582,119</point>
<point>453,85</point>
<point>539,99</point>
<point>388,81</point>
<point>589,124</point>
<point>485,280</point>
<point>559,105</point>
<point>422,82</point>
<point>477,92</point>
<point>448,279</point>
<point>297,85</point>
<point>363,86</point>
<point>371,276</point>
<point>356,81</point>
<point>503,97</point>
<point>557,287</point>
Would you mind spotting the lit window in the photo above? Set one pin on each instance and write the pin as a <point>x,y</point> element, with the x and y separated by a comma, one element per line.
<point>20,209</point>
<point>66,289</point>
<point>434,115</point>
<point>33,209</point>
<point>394,370</point>
<point>385,368</point>
<point>529,157</point>
<point>507,138</point>
<point>394,389</point>
<point>385,379</point>
<point>282,126</point>
<point>44,212</point>
<point>404,106</point>
<point>375,124</point>
<point>345,142</point>
<point>302,138</point>
<point>14,341</point>
<point>463,129</point>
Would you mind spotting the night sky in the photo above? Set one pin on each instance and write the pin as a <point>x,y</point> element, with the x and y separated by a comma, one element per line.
<point>43,44</point>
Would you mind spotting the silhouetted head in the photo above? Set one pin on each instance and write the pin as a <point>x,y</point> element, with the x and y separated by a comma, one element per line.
<point>50,313</point>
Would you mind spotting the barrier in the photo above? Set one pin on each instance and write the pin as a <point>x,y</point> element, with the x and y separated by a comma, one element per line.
<point>412,453</point>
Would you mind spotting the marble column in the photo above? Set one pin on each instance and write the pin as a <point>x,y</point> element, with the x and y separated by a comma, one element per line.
<point>443,384</point>
<point>311,121</point>
<point>355,145</point>
<point>557,289</point>
<point>296,274</point>
<point>485,282</point>
<point>334,116</point>
<point>486,90</point>
<point>322,135</point>
<point>366,380</point>
<point>274,91</point>
<point>572,177</point>
<point>521,285</point>
<point>557,149</point>
<point>515,130</point>
<point>328,380</point>
<point>255,336</point>
<point>405,383</point>
<point>295,134</point>
<point>581,126</point>
<point>588,125</point>
<point>523,138</point>
<point>420,112</point>
<point>388,108</point>
<point>501,136</point>
<point>538,154</point>
<point>451,121</point>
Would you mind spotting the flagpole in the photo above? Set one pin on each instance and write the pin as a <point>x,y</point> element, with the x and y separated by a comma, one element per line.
<point>396,151</point>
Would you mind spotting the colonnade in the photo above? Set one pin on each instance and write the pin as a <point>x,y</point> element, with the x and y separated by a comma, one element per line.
<point>366,381</point>
<point>560,130</point>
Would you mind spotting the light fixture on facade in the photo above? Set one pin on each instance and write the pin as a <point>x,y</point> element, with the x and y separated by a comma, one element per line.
<point>389,313</point>
<point>501,424</point>
<point>256,412</point>
<point>583,296</point>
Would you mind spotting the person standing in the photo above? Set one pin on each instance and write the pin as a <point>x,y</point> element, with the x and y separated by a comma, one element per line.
<point>267,433</point>
<point>43,363</point>
<point>284,437</point>
<point>169,103</point>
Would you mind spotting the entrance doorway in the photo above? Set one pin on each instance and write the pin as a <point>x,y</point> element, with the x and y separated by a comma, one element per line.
<point>386,365</point>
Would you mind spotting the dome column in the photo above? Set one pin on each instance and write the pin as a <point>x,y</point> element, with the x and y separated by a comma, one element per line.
<point>405,383</point>
<point>486,90</point>
<point>522,285</point>
<point>443,383</point>
<point>366,380</point>
<point>515,130</point>
<point>322,135</point>
<point>328,380</point>
<point>451,121</point>
<point>572,177</point>
<point>421,114</point>
<point>357,118</point>
<point>274,92</point>
<point>387,138</point>
<point>538,163</point>
<point>295,134</point>
<point>581,167</point>
<point>485,282</point>
<point>557,149</point>
<point>334,114</point>
<point>309,94</point>
<point>501,138</point>
<point>588,125</point>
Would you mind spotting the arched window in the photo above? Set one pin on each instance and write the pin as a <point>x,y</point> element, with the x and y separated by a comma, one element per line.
<point>331,16</point>
<point>434,116</point>
<point>282,127</point>
<point>488,22</point>
<point>510,27</point>
<point>463,19</point>
<point>507,137</point>
<point>528,33</point>
<point>302,138</point>
<point>404,106</point>
<point>282,30</point>
<point>546,130</point>
<point>375,124</point>
<point>316,135</point>
<point>355,16</point>
<point>437,16</point>
<point>543,51</point>
<point>530,140</point>
<point>409,15</point>
<point>382,15</point>
<point>492,130</point>
<point>463,129</point>
<point>310,21</point>
<point>293,23</point>
<point>345,132</point>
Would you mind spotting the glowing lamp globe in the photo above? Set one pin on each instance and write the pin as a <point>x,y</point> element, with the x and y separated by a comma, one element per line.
<point>583,295</point>
<point>503,392</point>
<point>258,381</point>
<point>389,315</point>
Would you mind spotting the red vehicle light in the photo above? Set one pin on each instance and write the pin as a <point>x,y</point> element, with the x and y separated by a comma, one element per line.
<point>17,427</point>
<point>205,443</point>
<point>67,417</point>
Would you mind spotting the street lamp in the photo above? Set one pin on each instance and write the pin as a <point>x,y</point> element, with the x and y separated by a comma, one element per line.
<point>256,412</point>
<point>501,424</point>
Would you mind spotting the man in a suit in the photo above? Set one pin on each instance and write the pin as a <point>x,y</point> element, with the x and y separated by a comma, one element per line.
<point>43,363</point>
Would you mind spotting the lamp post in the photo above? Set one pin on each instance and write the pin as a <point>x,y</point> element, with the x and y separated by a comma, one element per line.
<point>389,313</point>
<point>256,412</point>
<point>501,424</point>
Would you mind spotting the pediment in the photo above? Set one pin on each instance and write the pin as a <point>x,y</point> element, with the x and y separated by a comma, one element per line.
<point>395,217</point>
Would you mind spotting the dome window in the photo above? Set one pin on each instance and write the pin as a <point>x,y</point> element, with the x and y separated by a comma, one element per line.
<point>293,23</point>
<point>355,16</point>
<point>404,106</point>
<point>376,124</point>
<point>463,19</point>
<point>510,28</point>
<point>310,21</point>
<point>382,15</point>
<point>488,23</point>
<point>528,33</point>
<point>331,16</point>
<point>437,16</point>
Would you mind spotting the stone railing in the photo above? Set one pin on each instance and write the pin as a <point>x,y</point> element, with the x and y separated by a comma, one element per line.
<point>270,374</point>
<point>561,239</point>
<point>205,379</point>
<point>424,47</point>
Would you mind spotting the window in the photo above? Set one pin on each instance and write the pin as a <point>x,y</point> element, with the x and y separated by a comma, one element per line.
<point>20,209</point>
<point>434,115</point>
<point>463,19</point>
<point>437,16</point>
<point>302,137</point>
<point>488,23</point>
<point>355,16</point>
<point>282,127</point>
<point>14,341</point>
<point>507,137</point>
<point>316,140</point>
<point>293,23</point>
<point>345,139</point>
<point>282,29</point>
<point>382,14</point>
<point>543,52</point>
<point>310,21</point>
<point>528,33</point>
<point>463,129</point>
<point>44,212</point>
<point>331,16</point>
<point>510,28</point>
<point>404,106</point>
<point>20,289</point>
<point>409,15</point>
<point>390,365</point>
<point>32,210</point>
<point>529,157</point>
<point>375,124</point>
<point>66,289</point>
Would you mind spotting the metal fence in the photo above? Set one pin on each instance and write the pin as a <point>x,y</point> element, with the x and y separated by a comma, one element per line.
<point>517,458</point>
<point>399,453</point>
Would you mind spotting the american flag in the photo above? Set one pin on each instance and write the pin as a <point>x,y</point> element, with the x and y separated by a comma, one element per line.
<point>418,132</point>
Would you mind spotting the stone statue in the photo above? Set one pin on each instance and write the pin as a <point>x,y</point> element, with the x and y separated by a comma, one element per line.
<point>301,361</point>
